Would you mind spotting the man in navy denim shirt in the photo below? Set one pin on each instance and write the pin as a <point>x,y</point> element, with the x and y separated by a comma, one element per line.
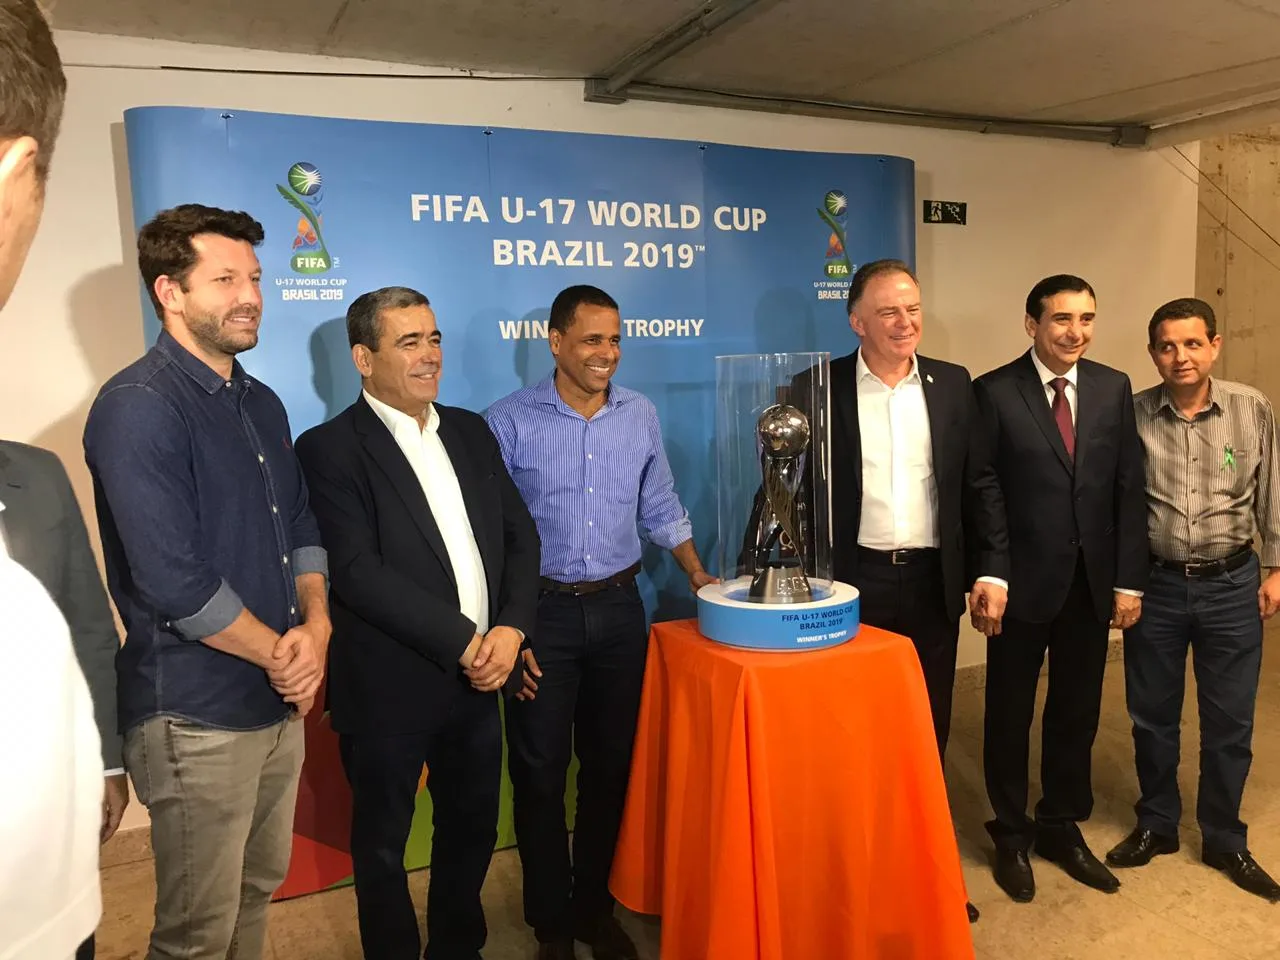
<point>214,562</point>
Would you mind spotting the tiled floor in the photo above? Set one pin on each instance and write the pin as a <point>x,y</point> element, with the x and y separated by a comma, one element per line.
<point>1175,909</point>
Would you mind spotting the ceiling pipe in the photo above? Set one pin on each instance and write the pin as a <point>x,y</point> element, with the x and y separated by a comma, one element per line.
<point>1216,124</point>
<point>708,18</point>
<point>1117,135</point>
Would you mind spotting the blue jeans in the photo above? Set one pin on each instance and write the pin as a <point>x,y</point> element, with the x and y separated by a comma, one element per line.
<point>592,652</point>
<point>1218,618</point>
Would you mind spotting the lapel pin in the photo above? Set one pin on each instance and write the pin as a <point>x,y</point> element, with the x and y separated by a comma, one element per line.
<point>929,377</point>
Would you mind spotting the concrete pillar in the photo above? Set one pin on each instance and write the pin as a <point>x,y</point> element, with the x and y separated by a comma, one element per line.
<point>1237,264</point>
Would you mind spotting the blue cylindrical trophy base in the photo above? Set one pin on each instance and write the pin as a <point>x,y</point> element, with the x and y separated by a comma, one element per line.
<point>726,616</point>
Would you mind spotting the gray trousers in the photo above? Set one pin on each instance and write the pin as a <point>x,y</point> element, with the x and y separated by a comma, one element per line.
<point>221,805</point>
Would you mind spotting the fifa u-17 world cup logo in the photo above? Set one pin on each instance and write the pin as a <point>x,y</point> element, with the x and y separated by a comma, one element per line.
<point>304,193</point>
<point>834,211</point>
<point>779,577</point>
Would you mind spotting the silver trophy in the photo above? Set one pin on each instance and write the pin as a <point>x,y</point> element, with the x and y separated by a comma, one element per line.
<point>779,571</point>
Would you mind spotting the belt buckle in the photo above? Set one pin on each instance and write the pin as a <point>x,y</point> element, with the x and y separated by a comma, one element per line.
<point>898,558</point>
<point>1189,570</point>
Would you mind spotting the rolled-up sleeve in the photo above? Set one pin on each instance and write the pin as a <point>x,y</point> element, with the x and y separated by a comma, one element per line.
<point>662,517</point>
<point>310,560</point>
<point>138,449</point>
<point>214,617</point>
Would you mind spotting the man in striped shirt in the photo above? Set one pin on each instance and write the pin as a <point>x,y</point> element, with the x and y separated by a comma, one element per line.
<point>1211,464</point>
<point>587,457</point>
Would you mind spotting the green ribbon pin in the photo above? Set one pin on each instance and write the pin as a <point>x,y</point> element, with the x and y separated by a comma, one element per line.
<point>1228,457</point>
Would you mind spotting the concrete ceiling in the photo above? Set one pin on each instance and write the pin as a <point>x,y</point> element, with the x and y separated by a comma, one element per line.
<point>1131,72</point>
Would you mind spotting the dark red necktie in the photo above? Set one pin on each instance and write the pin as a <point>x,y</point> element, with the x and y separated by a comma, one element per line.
<point>1062,414</point>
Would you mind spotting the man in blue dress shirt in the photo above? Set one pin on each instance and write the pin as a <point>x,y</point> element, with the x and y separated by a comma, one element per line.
<point>587,457</point>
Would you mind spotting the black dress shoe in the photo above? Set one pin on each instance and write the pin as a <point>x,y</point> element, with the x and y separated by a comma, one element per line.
<point>608,941</point>
<point>972,911</point>
<point>1244,873</point>
<point>1080,864</point>
<point>556,950</point>
<point>1140,847</point>
<point>1013,874</point>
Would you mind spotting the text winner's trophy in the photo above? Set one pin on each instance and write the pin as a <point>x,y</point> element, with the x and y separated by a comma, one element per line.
<point>779,575</point>
<point>773,459</point>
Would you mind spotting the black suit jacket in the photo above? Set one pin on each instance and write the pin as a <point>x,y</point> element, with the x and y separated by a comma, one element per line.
<point>971,523</point>
<point>397,628</point>
<point>1058,508</point>
<point>45,532</point>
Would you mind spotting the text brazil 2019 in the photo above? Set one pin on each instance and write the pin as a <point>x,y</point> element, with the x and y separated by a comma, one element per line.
<point>607,216</point>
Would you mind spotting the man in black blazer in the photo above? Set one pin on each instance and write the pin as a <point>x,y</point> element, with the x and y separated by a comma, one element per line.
<point>433,563</point>
<point>1066,450</point>
<point>917,516</point>
<point>43,529</point>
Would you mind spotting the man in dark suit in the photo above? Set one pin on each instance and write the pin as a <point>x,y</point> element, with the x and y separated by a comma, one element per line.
<point>44,531</point>
<point>1066,450</point>
<point>434,582</point>
<point>917,516</point>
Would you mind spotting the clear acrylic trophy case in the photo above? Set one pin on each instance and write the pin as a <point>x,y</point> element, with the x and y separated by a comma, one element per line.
<point>773,466</point>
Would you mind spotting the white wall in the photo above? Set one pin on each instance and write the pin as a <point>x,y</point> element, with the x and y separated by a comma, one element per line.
<point>1126,220</point>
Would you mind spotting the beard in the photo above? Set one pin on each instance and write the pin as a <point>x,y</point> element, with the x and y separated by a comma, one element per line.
<point>212,333</point>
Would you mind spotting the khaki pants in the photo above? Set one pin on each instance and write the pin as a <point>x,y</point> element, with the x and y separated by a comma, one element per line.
<point>221,805</point>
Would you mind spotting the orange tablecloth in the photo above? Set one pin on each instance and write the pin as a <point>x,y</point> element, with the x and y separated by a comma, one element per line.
<point>790,806</point>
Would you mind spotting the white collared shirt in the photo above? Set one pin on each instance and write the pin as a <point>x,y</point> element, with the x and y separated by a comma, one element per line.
<point>899,487</point>
<point>433,468</point>
<point>899,490</point>
<point>1047,377</point>
<point>50,818</point>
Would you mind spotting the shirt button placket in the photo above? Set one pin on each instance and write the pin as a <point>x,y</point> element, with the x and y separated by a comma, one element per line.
<point>588,469</point>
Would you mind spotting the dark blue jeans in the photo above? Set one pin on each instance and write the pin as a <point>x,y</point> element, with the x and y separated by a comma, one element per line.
<point>1218,618</point>
<point>592,652</point>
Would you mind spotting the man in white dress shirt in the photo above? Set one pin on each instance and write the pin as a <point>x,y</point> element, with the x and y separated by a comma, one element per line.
<point>51,808</point>
<point>434,581</point>
<point>918,518</point>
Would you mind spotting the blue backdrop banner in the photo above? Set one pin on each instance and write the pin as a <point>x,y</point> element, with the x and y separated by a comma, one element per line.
<point>709,249</point>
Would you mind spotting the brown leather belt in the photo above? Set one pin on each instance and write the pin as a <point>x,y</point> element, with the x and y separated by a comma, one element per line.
<point>583,587</point>
<point>1198,569</point>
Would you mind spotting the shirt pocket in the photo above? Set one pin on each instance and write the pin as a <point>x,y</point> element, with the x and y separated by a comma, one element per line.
<point>617,472</point>
<point>1234,468</point>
